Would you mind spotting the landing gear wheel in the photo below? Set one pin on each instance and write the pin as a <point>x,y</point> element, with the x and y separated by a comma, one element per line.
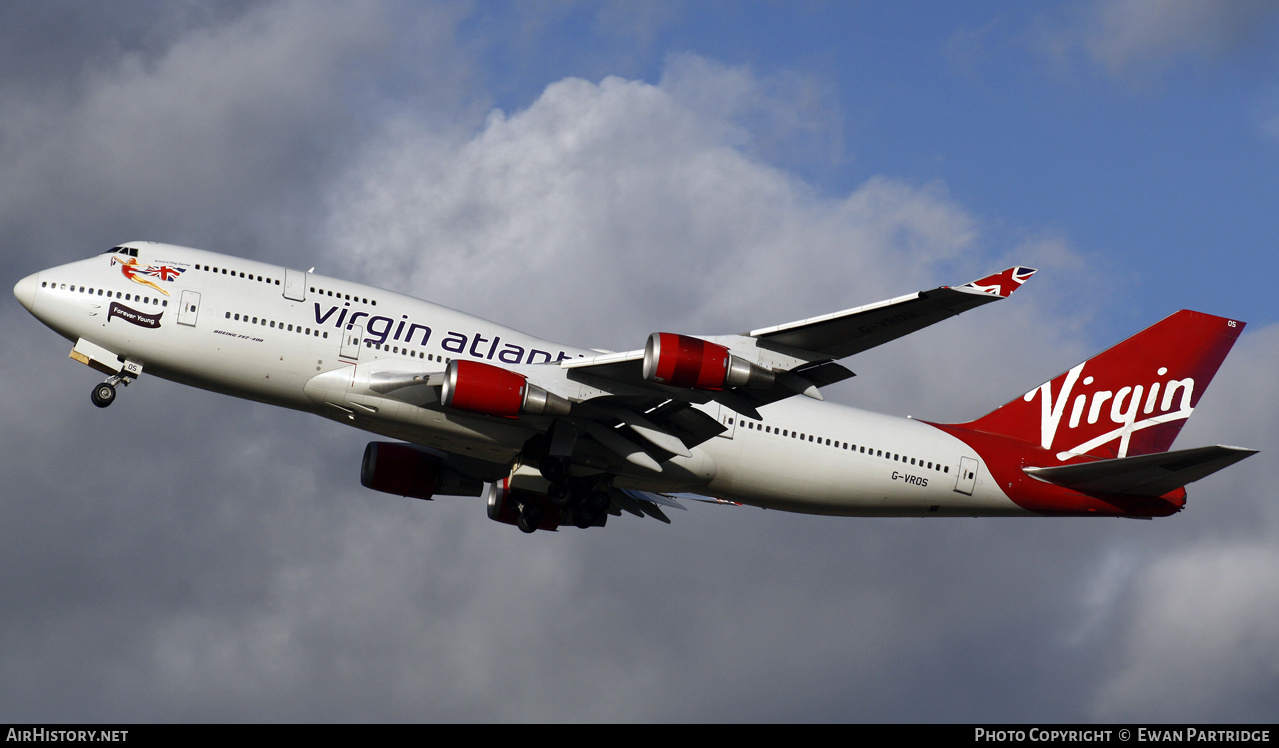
<point>599,499</point>
<point>560,494</point>
<point>103,395</point>
<point>554,469</point>
<point>530,517</point>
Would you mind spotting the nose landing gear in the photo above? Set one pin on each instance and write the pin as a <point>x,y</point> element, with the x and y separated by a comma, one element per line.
<point>104,394</point>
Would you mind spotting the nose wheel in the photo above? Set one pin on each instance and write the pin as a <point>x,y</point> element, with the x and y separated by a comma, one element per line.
<point>104,394</point>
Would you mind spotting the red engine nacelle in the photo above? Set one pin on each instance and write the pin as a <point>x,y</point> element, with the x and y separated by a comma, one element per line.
<point>684,361</point>
<point>478,387</point>
<point>405,470</point>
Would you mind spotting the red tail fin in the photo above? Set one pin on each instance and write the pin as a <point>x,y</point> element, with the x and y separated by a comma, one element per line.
<point>1131,399</point>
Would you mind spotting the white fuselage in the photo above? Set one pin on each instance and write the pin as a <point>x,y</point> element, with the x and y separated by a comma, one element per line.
<point>284,337</point>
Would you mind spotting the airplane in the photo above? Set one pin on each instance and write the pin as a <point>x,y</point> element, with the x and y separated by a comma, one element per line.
<point>565,436</point>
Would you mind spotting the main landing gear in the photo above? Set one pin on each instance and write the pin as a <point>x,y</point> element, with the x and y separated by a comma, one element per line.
<point>530,515</point>
<point>588,497</point>
<point>104,394</point>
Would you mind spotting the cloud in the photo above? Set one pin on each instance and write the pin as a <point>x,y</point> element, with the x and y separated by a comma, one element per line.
<point>586,199</point>
<point>1141,40</point>
<point>1199,641</point>
<point>203,134</point>
<point>1132,34</point>
<point>605,211</point>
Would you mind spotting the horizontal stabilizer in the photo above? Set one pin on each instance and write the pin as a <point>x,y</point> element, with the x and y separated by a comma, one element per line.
<point>1146,475</point>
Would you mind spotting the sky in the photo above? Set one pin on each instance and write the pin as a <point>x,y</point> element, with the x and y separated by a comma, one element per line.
<point>592,172</point>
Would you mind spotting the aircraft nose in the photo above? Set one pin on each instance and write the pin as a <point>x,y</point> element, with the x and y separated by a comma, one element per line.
<point>25,290</point>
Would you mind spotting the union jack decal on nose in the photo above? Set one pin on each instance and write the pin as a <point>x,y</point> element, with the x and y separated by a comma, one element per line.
<point>163,272</point>
<point>134,272</point>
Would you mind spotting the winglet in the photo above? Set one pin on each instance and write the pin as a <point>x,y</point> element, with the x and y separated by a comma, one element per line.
<point>1001,284</point>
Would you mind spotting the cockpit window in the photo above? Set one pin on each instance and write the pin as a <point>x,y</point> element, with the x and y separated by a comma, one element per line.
<point>130,251</point>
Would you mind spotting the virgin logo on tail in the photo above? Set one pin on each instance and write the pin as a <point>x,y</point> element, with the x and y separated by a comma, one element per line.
<point>1131,399</point>
<point>1122,407</point>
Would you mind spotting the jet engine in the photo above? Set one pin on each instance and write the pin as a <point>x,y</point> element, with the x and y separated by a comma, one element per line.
<point>684,361</point>
<point>406,470</point>
<point>527,510</point>
<point>490,390</point>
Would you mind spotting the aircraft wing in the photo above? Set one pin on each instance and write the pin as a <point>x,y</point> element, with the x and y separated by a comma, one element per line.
<point>811,345</point>
<point>850,331</point>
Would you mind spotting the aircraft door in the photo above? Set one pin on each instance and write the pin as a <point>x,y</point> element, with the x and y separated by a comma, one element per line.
<point>967,478</point>
<point>189,308</point>
<point>294,285</point>
<point>352,339</point>
<point>728,419</point>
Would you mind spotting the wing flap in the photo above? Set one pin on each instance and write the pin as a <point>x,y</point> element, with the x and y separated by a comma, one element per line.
<point>1144,475</point>
<point>648,502</point>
